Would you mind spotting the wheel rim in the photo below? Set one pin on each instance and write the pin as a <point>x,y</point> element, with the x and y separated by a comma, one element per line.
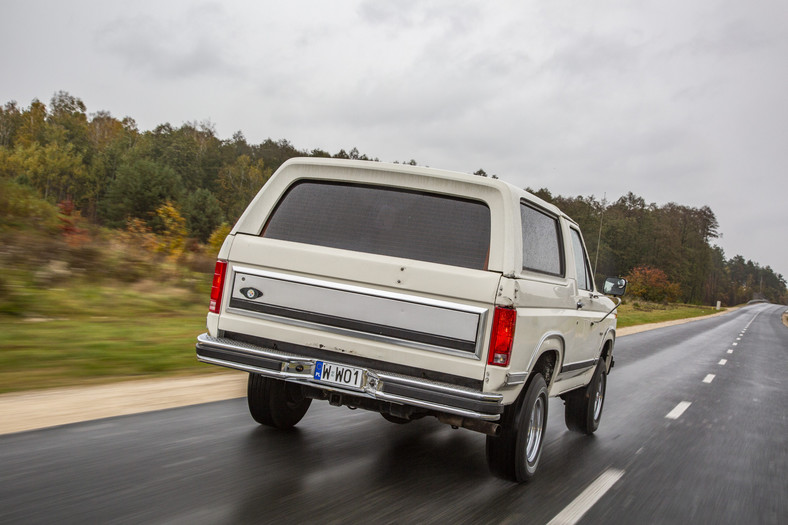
<point>535,430</point>
<point>599,396</point>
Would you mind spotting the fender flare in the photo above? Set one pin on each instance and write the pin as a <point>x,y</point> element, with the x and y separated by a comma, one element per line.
<point>609,337</point>
<point>552,341</point>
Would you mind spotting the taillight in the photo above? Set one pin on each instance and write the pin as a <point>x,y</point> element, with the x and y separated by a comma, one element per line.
<point>217,286</point>
<point>502,336</point>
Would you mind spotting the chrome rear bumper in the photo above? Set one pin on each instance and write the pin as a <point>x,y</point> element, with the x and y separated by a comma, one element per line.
<point>377,385</point>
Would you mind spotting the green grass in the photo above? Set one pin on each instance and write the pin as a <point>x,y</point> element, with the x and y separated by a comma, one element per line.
<point>101,333</point>
<point>637,313</point>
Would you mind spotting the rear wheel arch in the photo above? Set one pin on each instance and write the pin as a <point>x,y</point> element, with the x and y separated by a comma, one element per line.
<point>547,360</point>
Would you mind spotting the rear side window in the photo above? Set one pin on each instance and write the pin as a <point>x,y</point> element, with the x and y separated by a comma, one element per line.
<point>384,221</point>
<point>541,241</point>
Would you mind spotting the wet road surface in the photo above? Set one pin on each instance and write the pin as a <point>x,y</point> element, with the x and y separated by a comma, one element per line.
<point>719,458</point>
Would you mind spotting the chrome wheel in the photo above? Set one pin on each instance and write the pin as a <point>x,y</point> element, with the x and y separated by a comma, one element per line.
<point>535,431</point>
<point>599,396</point>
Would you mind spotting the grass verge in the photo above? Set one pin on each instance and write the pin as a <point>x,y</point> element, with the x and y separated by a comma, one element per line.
<point>92,334</point>
<point>637,313</point>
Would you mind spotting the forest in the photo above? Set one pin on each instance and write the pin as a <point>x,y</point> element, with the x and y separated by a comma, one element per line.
<point>71,173</point>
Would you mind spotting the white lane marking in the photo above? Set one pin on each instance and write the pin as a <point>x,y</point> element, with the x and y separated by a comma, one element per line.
<point>730,351</point>
<point>735,344</point>
<point>709,378</point>
<point>587,499</point>
<point>680,408</point>
<point>738,338</point>
<point>722,362</point>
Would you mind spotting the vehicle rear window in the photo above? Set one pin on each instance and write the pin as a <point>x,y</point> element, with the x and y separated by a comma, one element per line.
<point>384,221</point>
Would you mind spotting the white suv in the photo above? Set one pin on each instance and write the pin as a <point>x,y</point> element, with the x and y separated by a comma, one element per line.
<point>412,292</point>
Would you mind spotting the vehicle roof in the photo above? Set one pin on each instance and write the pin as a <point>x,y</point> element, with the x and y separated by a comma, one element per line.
<point>499,184</point>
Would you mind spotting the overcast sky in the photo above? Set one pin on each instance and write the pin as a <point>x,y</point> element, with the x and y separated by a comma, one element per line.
<point>675,101</point>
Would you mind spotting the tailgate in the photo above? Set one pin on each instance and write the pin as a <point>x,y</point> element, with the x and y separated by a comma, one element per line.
<point>413,314</point>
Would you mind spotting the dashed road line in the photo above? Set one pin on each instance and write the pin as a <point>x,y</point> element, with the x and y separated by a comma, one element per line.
<point>678,410</point>
<point>722,362</point>
<point>730,351</point>
<point>709,378</point>
<point>587,499</point>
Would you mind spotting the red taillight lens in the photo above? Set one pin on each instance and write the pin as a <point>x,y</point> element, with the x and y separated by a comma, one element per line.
<point>217,286</point>
<point>502,336</point>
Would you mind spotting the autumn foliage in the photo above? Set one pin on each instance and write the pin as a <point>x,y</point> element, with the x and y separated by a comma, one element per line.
<point>652,284</point>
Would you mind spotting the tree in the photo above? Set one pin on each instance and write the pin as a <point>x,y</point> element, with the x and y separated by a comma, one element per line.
<point>317,152</point>
<point>10,121</point>
<point>110,140</point>
<point>239,183</point>
<point>68,123</point>
<point>58,172</point>
<point>141,187</point>
<point>33,125</point>
<point>202,213</point>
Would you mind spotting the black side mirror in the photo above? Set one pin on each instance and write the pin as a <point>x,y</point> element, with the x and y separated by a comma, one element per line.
<point>615,286</point>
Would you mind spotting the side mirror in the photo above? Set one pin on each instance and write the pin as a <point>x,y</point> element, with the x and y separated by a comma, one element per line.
<point>615,286</point>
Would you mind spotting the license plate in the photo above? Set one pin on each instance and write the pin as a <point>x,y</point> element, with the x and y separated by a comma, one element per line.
<point>339,374</point>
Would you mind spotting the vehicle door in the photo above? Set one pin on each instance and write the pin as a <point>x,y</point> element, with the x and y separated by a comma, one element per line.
<point>589,309</point>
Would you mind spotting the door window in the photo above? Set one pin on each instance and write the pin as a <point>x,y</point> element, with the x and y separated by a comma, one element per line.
<point>584,279</point>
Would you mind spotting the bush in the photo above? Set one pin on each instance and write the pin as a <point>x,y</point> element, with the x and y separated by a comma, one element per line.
<point>20,207</point>
<point>651,284</point>
<point>217,237</point>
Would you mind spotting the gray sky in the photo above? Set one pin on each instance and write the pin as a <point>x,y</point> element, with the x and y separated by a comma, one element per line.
<point>673,100</point>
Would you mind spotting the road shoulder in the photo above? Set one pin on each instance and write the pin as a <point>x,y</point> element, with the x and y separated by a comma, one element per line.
<point>32,410</point>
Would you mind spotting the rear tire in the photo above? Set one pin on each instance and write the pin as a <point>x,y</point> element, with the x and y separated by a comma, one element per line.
<point>275,403</point>
<point>514,455</point>
<point>583,409</point>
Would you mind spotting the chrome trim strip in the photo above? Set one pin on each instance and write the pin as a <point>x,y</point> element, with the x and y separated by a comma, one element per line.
<point>360,290</point>
<point>516,379</point>
<point>371,390</point>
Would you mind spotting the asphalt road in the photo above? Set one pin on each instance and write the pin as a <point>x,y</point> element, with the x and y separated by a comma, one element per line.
<point>721,457</point>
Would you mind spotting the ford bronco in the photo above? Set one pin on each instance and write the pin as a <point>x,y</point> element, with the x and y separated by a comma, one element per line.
<point>413,292</point>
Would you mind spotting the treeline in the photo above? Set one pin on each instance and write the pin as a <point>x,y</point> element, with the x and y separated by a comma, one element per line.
<point>108,171</point>
<point>112,171</point>
<point>667,251</point>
